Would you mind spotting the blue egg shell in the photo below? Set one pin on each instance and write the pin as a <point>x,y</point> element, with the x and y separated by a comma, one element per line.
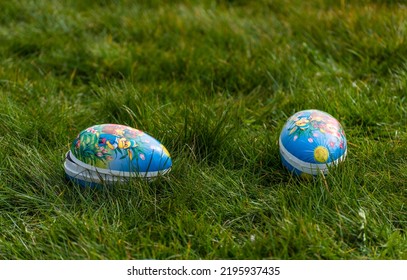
<point>111,152</point>
<point>311,141</point>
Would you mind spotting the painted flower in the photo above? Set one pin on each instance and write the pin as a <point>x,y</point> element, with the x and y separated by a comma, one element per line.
<point>295,137</point>
<point>310,140</point>
<point>91,130</point>
<point>78,144</point>
<point>109,158</point>
<point>142,156</point>
<point>302,123</point>
<point>321,154</point>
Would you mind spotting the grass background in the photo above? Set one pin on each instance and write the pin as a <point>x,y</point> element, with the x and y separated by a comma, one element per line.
<point>214,81</point>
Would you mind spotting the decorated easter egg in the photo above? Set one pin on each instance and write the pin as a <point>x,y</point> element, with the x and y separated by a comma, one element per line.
<point>312,141</point>
<point>110,153</point>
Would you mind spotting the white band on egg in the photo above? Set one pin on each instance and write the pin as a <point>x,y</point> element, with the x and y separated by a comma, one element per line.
<point>81,167</point>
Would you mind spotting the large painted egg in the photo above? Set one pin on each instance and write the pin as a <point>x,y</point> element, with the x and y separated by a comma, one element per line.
<point>110,153</point>
<point>311,141</point>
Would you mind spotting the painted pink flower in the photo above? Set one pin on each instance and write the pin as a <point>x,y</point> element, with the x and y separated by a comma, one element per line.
<point>310,140</point>
<point>78,144</point>
<point>142,157</point>
<point>341,145</point>
<point>332,144</point>
<point>315,134</point>
<point>109,158</point>
<point>99,154</point>
<point>295,137</point>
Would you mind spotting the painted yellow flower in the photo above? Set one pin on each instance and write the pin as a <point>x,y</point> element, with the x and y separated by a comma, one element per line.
<point>302,122</point>
<point>321,154</point>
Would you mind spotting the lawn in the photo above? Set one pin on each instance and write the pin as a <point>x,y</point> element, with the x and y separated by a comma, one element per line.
<point>213,81</point>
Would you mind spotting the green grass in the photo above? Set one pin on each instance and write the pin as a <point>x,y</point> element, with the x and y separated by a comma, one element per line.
<point>214,81</point>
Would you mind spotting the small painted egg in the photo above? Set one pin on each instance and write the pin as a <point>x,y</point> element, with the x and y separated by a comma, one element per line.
<point>311,141</point>
<point>109,153</point>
